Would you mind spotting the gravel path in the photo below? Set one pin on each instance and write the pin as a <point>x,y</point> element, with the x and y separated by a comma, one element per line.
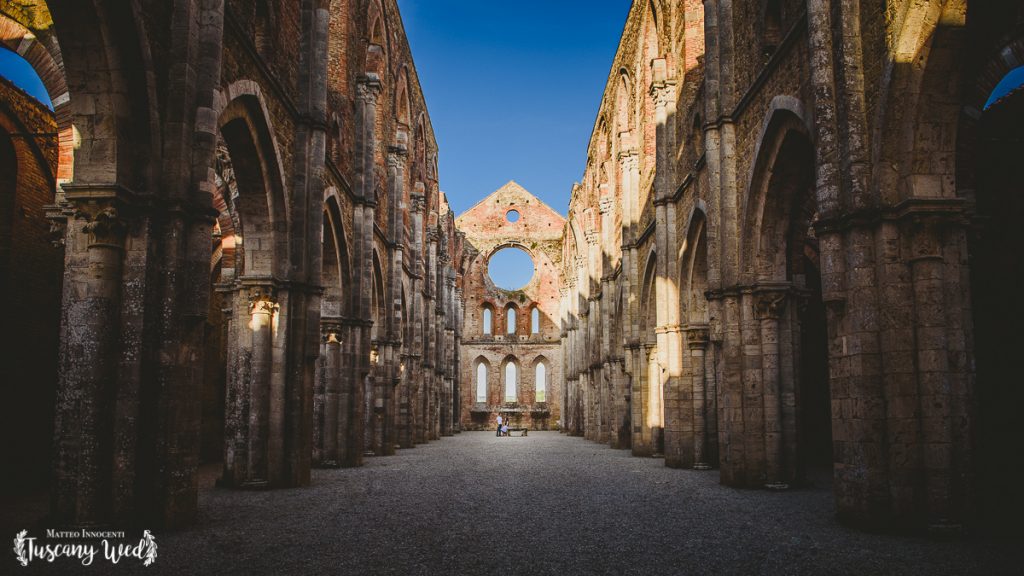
<point>544,504</point>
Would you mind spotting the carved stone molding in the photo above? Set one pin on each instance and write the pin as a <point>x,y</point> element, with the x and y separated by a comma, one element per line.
<point>667,329</point>
<point>262,298</point>
<point>419,202</point>
<point>103,224</point>
<point>770,304</point>
<point>661,93</point>
<point>630,161</point>
<point>368,88</point>
<point>698,336</point>
<point>397,156</point>
<point>330,330</point>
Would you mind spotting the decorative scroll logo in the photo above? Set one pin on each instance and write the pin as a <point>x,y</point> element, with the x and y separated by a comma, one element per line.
<point>19,547</point>
<point>108,545</point>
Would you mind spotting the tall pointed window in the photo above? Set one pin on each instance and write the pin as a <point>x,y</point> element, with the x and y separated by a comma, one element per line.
<point>510,382</point>
<point>487,319</point>
<point>542,382</point>
<point>481,382</point>
<point>535,321</point>
<point>510,315</point>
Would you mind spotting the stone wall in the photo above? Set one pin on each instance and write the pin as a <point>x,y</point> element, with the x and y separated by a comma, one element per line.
<point>259,263</point>
<point>30,281</point>
<point>767,264</point>
<point>537,231</point>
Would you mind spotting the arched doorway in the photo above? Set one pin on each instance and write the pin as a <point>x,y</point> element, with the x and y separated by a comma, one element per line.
<point>698,357</point>
<point>648,407</point>
<point>251,193</point>
<point>789,308</point>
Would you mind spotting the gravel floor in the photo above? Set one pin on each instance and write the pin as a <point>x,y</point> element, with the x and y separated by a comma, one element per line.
<point>544,504</point>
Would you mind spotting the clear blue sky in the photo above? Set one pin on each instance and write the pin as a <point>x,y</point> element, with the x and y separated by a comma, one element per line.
<point>512,89</point>
<point>20,73</point>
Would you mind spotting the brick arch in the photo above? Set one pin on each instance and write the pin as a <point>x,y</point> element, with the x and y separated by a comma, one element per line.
<point>478,362</point>
<point>693,264</point>
<point>111,120</point>
<point>1009,56</point>
<point>259,205</point>
<point>10,122</point>
<point>781,166</point>
<point>402,109</point>
<point>378,41</point>
<point>48,65</point>
<point>249,91</point>
<point>378,312</point>
<point>915,89</point>
<point>624,116</point>
<point>336,263</point>
<point>652,48</point>
<point>513,309</point>
<point>511,360</point>
<point>419,155</point>
<point>648,296</point>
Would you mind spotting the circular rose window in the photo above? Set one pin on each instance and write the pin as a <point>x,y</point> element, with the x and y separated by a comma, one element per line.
<point>510,268</point>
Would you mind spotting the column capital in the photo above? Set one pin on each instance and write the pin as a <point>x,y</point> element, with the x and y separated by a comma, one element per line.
<point>103,223</point>
<point>397,156</point>
<point>419,202</point>
<point>103,207</point>
<point>629,159</point>
<point>769,304</point>
<point>697,335</point>
<point>330,330</point>
<point>368,88</point>
<point>661,93</point>
<point>262,298</point>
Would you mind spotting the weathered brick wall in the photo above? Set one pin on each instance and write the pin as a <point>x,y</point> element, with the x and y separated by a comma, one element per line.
<point>538,231</point>
<point>30,284</point>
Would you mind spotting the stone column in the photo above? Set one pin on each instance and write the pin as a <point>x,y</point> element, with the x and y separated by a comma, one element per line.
<point>368,89</point>
<point>629,164</point>
<point>936,394</point>
<point>348,452</point>
<point>247,461</point>
<point>769,310</point>
<point>697,344</point>
<point>460,318</point>
<point>95,244</point>
<point>330,454</point>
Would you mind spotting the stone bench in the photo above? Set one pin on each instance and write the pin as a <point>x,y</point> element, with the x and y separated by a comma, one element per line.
<point>523,431</point>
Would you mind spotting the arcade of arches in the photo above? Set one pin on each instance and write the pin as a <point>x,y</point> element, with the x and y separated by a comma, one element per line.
<point>794,250</point>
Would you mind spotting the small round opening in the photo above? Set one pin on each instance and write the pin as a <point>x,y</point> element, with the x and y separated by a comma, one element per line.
<point>512,215</point>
